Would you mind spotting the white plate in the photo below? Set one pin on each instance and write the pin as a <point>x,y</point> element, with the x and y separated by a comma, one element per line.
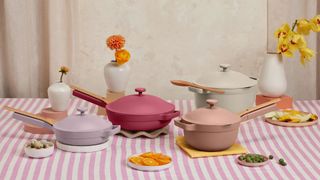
<point>148,168</point>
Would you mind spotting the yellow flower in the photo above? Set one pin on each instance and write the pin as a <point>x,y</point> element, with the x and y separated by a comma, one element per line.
<point>64,69</point>
<point>283,31</point>
<point>296,41</point>
<point>306,55</point>
<point>303,26</point>
<point>284,47</point>
<point>315,23</point>
<point>122,56</point>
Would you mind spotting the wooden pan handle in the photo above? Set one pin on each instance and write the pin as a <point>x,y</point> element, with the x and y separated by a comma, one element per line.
<point>260,106</point>
<point>35,116</point>
<point>88,93</point>
<point>195,85</point>
<point>259,110</point>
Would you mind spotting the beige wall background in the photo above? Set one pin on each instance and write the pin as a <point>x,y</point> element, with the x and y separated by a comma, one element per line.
<point>187,40</point>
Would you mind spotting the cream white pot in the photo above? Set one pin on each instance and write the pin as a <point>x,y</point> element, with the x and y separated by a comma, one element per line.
<point>239,90</point>
<point>272,80</point>
<point>235,100</point>
<point>59,96</point>
<point>116,76</point>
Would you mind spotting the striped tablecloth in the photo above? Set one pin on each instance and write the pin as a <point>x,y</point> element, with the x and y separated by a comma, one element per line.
<point>300,147</point>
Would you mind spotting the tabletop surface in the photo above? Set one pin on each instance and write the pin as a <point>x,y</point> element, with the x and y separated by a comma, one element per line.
<point>300,147</point>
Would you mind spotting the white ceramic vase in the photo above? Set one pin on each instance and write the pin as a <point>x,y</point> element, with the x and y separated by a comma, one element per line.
<point>272,81</point>
<point>59,96</point>
<point>116,76</point>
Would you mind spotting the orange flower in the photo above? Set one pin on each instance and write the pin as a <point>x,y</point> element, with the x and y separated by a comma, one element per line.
<point>122,56</point>
<point>115,42</point>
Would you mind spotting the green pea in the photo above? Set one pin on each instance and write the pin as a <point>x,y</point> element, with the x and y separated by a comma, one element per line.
<point>281,160</point>
<point>270,157</point>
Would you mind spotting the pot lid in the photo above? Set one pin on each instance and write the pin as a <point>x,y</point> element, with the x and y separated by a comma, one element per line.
<point>140,104</point>
<point>211,115</point>
<point>82,122</point>
<point>227,79</point>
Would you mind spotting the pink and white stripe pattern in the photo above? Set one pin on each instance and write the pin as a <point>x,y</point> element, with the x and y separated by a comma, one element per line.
<point>300,147</point>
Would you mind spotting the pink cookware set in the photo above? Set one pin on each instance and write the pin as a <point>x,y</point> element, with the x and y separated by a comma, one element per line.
<point>208,128</point>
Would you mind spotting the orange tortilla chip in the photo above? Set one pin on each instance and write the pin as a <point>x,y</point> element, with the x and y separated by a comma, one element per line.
<point>150,162</point>
<point>136,160</point>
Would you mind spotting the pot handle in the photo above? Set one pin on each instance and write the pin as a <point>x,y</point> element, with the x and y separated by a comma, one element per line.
<point>33,121</point>
<point>170,115</point>
<point>31,118</point>
<point>88,97</point>
<point>184,126</point>
<point>115,129</point>
<point>259,110</point>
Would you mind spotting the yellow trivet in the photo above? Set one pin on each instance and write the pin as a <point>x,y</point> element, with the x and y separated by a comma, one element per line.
<point>193,153</point>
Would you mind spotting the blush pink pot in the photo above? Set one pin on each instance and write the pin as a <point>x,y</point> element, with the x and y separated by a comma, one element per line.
<point>216,129</point>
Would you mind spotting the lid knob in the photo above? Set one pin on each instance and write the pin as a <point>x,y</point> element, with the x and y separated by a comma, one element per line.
<point>212,102</point>
<point>140,90</point>
<point>224,67</point>
<point>82,110</point>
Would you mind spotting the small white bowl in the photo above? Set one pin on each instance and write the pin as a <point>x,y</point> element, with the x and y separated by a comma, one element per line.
<point>148,168</point>
<point>38,153</point>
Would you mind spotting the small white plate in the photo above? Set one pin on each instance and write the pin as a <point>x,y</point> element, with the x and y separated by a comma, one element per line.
<point>38,153</point>
<point>148,168</point>
<point>244,163</point>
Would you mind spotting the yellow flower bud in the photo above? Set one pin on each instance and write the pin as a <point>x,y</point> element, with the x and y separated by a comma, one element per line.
<point>303,27</point>
<point>315,23</point>
<point>306,55</point>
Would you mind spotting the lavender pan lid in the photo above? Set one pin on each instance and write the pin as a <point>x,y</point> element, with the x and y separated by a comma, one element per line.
<point>83,122</point>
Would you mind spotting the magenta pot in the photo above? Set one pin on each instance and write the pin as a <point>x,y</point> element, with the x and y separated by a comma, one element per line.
<point>137,112</point>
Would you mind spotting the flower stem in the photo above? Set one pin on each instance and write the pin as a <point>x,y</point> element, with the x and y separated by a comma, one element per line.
<point>294,25</point>
<point>61,77</point>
